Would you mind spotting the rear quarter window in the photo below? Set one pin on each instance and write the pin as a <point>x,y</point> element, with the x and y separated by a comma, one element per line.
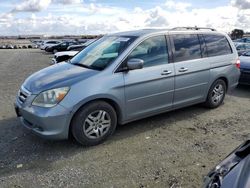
<point>217,45</point>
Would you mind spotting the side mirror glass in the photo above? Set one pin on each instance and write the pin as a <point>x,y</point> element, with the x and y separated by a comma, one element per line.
<point>134,64</point>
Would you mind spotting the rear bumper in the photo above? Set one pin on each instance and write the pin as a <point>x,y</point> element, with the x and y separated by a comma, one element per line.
<point>48,123</point>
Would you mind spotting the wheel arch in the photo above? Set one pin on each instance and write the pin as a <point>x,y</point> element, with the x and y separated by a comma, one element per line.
<point>110,101</point>
<point>224,78</point>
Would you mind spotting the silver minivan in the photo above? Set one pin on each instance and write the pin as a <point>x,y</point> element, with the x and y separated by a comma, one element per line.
<point>127,76</point>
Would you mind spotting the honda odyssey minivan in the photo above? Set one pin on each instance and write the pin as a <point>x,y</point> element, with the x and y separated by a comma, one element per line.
<point>127,76</point>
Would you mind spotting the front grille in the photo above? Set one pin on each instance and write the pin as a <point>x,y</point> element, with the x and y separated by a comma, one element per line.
<point>23,94</point>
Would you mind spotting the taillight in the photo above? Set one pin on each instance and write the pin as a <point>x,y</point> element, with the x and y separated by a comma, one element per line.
<point>237,63</point>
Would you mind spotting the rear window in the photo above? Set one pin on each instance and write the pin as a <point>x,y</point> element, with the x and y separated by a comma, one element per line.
<point>187,47</point>
<point>217,45</point>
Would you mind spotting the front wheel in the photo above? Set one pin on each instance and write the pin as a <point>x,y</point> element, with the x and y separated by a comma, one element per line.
<point>94,123</point>
<point>216,94</point>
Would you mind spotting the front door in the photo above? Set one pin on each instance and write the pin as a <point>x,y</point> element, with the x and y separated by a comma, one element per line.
<point>149,90</point>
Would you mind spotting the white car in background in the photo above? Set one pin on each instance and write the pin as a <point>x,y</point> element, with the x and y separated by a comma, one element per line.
<point>63,56</point>
<point>49,43</point>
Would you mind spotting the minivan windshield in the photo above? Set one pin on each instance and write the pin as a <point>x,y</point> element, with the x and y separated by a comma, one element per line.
<point>102,52</point>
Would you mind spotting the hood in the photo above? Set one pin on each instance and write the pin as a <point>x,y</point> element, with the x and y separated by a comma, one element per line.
<point>55,76</point>
<point>69,53</point>
<point>244,62</point>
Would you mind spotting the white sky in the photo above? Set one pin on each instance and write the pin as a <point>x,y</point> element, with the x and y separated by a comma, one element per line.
<point>60,17</point>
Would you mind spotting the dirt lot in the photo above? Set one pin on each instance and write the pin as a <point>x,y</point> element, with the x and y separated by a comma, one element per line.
<point>174,149</point>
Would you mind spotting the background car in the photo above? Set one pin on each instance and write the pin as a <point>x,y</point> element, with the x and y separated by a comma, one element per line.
<point>242,47</point>
<point>49,43</point>
<point>9,46</point>
<point>63,56</point>
<point>37,42</point>
<point>242,40</point>
<point>81,46</point>
<point>233,171</point>
<point>60,47</point>
<point>245,68</point>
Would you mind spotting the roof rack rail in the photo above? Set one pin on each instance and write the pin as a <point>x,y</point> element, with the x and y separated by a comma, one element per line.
<point>193,28</point>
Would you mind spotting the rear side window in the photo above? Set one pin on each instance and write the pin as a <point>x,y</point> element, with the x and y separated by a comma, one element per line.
<point>217,45</point>
<point>187,47</point>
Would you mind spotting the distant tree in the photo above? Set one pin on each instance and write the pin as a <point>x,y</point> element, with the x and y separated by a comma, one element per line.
<point>237,33</point>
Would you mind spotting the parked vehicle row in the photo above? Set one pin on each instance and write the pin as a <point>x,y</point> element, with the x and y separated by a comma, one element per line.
<point>60,47</point>
<point>127,76</point>
<point>71,52</point>
<point>10,46</point>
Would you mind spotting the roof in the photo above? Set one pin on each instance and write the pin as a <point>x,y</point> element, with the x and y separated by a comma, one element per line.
<point>142,32</point>
<point>139,32</point>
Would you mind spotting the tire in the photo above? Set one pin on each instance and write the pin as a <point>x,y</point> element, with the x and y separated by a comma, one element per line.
<point>55,51</point>
<point>88,129</point>
<point>216,94</point>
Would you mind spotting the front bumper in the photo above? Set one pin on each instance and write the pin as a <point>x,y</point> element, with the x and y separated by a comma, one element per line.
<point>53,61</point>
<point>49,123</point>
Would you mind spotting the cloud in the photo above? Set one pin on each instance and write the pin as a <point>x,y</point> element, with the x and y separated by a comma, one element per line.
<point>39,5</point>
<point>65,2</point>
<point>241,4</point>
<point>5,20</point>
<point>157,18</point>
<point>32,6</point>
<point>178,6</point>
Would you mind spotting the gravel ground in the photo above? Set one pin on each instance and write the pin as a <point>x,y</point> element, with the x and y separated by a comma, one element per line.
<point>173,149</point>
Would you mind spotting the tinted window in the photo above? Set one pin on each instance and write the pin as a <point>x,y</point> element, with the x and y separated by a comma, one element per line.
<point>217,45</point>
<point>153,51</point>
<point>187,47</point>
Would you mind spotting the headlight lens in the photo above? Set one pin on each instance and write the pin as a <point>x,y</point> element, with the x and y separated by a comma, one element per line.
<point>51,97</point>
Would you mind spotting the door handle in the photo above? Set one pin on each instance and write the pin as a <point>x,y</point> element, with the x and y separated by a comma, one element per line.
<point>183,69</point>
<point>166,72</point>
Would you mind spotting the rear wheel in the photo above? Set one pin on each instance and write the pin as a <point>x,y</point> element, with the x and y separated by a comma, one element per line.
<point>94,123</point>
<point>55,51</point>
<point>216,94</point>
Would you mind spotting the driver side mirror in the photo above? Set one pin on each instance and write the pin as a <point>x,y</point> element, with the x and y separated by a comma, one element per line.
<point>134,64</point>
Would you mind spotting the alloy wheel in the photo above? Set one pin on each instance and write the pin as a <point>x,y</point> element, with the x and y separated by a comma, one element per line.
<point>97,124</point>
<point>218,93</point>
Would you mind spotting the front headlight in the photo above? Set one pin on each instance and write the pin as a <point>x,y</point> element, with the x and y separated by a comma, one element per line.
<point>51,97</point>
